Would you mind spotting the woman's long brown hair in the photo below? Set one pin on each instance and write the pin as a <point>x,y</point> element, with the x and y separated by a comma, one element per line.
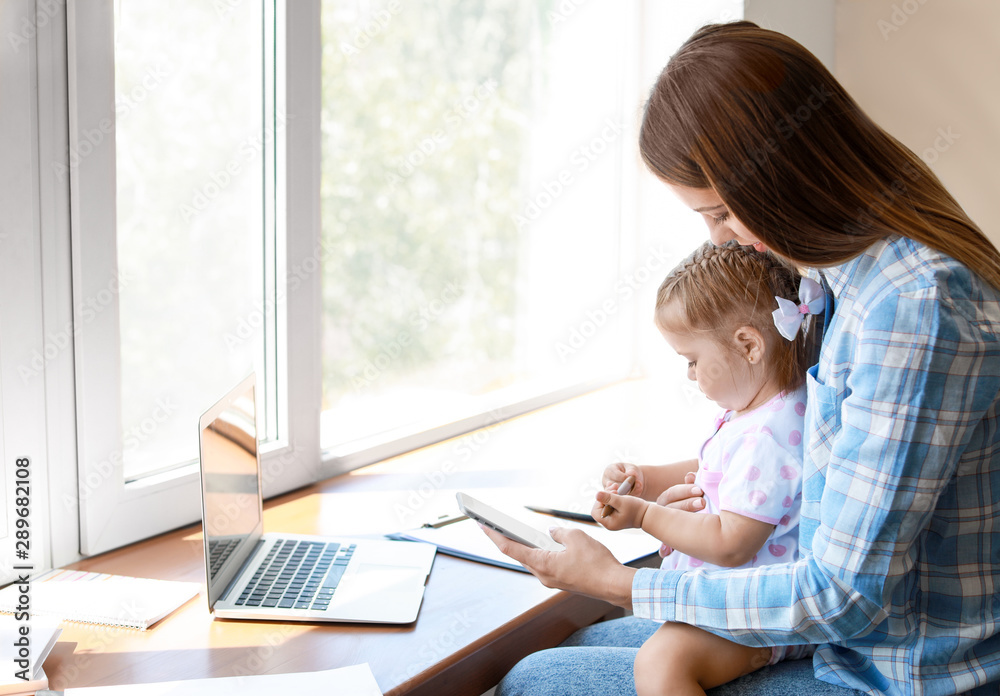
<point>752,114</point>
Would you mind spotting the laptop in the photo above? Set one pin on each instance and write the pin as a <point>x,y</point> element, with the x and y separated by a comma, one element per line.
<point>289,577</point>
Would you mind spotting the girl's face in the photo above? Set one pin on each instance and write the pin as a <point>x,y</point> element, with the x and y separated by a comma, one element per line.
<point>724,373</point>
<point>722,225</point>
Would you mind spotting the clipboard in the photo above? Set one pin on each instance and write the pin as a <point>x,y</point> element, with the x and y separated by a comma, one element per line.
<point>464,539</point>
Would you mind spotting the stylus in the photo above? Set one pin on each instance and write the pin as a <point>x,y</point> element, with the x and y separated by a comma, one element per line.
<point>564,514</point>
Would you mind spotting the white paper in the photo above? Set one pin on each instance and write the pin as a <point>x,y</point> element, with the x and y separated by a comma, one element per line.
<point>42,635</point>
<point>356,680</point>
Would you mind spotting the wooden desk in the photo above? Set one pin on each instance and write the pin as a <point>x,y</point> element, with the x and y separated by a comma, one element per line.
<point>476,621</point>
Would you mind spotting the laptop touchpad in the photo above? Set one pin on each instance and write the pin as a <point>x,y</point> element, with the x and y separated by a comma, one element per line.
<point>377,577</point>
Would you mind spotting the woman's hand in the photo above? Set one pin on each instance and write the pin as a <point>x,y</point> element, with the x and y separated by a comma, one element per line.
<point>684,496</point>
<point>615,474</point>
<point>586,566</point>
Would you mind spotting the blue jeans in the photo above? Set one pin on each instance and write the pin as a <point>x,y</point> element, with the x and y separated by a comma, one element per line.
<point>597,661</point>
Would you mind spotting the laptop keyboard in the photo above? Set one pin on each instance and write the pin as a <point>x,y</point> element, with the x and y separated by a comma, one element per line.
<point>219,552</point>
<point>297,575</point>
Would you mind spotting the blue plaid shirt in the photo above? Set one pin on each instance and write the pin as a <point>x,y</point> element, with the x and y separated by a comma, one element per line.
<point>899,579</point>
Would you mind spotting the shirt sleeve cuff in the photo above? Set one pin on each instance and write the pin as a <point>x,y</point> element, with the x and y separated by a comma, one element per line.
<point>653,593</point>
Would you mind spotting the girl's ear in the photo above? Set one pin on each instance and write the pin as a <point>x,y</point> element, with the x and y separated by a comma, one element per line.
<point>750,344</point>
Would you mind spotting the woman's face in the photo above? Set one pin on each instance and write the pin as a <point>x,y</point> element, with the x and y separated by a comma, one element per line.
<point>722,224</point>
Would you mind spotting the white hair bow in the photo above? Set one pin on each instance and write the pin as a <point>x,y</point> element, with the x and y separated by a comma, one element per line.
<point>788,317</point>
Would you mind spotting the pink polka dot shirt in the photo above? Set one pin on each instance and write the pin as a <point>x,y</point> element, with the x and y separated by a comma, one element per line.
<point>752,466</point>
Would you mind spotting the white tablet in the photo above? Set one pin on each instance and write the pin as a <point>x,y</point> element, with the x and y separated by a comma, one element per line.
<point>505,524</point>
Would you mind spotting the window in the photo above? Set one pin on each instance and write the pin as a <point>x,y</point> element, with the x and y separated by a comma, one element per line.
<point>407,218</point>
<point>171,166</point>
<point>471,186</point>
<point>191,147</point>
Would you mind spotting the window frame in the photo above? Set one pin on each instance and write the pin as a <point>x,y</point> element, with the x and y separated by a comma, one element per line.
<point>114,512</point>
<point>23,395</point>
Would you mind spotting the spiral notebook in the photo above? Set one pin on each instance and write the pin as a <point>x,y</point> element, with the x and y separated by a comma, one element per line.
<point>99,598</point>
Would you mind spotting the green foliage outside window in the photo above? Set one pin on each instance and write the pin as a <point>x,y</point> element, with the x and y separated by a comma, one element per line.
<point>427,109</point>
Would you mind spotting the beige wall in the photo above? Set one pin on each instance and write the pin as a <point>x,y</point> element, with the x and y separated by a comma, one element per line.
<point>810,22</point>
<point>928,71</point>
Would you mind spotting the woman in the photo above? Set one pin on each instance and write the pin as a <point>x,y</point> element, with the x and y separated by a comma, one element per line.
<point>899,584</point>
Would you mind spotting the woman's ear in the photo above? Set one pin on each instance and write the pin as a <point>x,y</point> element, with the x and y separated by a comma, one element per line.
<point>750,344</point>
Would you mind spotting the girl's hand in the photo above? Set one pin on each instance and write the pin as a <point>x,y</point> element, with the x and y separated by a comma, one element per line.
<point>684,496</point>
<point>586,566</point>
<point>628,510</point>
<point>615,474</point>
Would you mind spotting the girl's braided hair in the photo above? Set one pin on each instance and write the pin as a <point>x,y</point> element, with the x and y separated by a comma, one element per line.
<point>719,289</point>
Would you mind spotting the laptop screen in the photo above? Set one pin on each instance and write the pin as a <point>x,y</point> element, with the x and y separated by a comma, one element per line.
<point>230,481</point>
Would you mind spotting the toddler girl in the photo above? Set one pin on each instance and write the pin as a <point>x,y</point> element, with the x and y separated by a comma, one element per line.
<point>739,317</point>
